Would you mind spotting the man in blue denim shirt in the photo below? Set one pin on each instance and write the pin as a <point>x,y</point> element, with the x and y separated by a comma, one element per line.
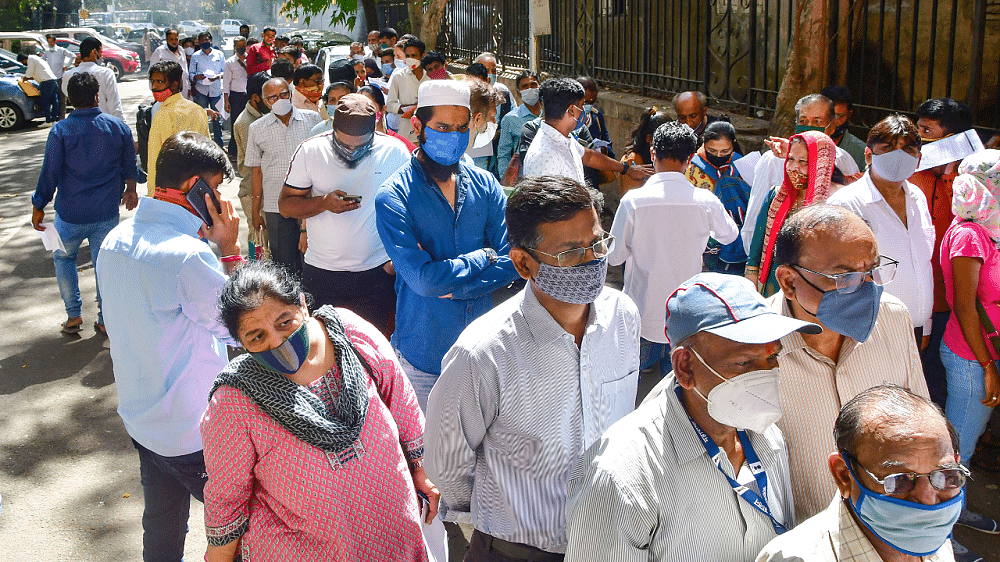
<point>442,224</point>
<point>89,167</point>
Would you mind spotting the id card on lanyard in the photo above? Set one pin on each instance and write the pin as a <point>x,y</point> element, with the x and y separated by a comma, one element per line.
<point>756,468</point>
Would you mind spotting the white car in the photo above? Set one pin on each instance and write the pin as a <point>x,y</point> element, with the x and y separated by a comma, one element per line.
<point>327,56</point>
<point>192,28</point>
<point>231,27</point>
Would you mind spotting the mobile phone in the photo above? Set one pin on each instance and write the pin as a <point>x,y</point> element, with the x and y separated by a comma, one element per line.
<point>425,506</point>
<point>196,197</point>
<point>352,198</point>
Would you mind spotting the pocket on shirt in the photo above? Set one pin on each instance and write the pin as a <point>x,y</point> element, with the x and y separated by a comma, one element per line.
<point>518,449</point>
<point>618,397</point>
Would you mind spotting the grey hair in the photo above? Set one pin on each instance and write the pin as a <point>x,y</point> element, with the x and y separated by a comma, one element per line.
<point>811,99</point>
<point>702,98</point>
<point>486,55</point>
<point>890,402</point>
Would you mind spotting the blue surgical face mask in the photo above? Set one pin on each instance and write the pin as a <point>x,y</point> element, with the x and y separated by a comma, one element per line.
<point>288,357</point>
<point>492,78</point>
<point>909,527</point>
<point>579,284</point>
<point>588,107</point>
<point>445,148</point>
<point>850,314</point>
<point>581,120</point>
<point>387,68</point>
<point>331,109</point>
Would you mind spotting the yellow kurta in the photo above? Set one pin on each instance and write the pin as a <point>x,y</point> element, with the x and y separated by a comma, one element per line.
<point>175,115</point>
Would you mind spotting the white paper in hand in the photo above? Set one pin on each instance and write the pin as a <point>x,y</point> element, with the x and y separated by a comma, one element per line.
<point>50,237</point>
<point>949,149</point>
<point>220,106</point>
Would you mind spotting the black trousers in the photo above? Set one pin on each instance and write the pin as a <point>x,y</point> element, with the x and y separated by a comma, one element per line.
<point>371,294</point>
<point>481,549</point>
<point>283,239</point>
<point>237,103</point>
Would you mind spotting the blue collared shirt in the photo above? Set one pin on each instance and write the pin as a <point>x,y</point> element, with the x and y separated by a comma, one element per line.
<point>510,134</point>
<point>88,158</point>
<point>437,251</point>
<point>214,62</point>
<point>162,316</point>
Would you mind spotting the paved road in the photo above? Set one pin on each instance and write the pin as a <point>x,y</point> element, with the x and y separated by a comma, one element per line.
<point>68,473</point>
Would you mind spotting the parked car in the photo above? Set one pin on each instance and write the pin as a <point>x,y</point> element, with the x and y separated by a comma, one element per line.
<point>16,109</point>
<point>16,41</point>
<point>119,59</point>
<point>230,27</point>
<point>9,64</point>
<point>327,56</point>
<point>192,28</point>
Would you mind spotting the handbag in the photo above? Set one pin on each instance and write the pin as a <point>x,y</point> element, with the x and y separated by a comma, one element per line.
<point>991,331</point>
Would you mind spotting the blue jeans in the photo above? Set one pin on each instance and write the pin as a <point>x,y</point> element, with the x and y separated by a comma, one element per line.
<point>930,358</point>
<point>167,486</point>
<point>66,275</point>
<point>421,381</point>
<point>966,390</point>
<point>215,124</point>
<point>49,101</point>
<point>651,352</point>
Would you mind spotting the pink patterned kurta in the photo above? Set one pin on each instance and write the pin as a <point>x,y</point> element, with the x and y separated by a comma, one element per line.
<point>298,503</point>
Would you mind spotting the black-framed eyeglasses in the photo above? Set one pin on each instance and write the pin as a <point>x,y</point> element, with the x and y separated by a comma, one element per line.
<point>850,281</point>
<point>576,256</point>
<point>283,95</point>
<point>904,482</point>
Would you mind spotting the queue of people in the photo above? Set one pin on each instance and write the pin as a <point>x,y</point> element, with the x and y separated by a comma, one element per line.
<point>784,310</point>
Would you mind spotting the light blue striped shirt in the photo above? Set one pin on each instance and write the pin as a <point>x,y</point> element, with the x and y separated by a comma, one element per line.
<point>161,285</point>
<point>517,404</point>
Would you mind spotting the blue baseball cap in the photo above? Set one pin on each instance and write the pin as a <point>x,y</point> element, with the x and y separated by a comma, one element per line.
<point>727,306</point>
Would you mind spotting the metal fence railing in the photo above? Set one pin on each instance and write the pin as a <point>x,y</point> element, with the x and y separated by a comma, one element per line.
<point>892,54</point>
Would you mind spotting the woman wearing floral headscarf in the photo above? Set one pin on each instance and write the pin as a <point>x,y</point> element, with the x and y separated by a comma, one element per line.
<point>809,167</point>
<point>971,266</point>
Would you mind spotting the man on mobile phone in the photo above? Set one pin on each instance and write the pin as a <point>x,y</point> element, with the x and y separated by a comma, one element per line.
<point>331,185</point>
<point>167,341</point>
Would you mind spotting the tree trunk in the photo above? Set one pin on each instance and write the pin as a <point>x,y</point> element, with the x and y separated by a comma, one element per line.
<point>371,16</point>
<point>415,8</point>
<point>806,69</point>
<point>432,22</point>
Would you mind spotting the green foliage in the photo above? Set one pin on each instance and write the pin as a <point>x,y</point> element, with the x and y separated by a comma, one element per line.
<point>341,11</point>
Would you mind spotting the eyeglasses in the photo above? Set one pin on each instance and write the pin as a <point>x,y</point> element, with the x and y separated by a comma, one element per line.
<point>283,95</point>
<point>904,482</point>
<point>568,258</point>
<point>850,281</point>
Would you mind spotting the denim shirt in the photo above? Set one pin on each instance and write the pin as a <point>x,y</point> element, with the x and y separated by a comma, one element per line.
<point>168,345</point>
<point>439,251</point>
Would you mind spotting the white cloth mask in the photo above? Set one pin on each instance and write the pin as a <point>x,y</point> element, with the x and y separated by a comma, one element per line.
<point>412,63</point>
<point>530,96</point>
<point>748,401</point>
<point>281,107</point>
<point>485,137</point>
<point>895,166</point>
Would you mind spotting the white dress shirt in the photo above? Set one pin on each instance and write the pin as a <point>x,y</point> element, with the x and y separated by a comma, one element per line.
<point>107,97</point>
<point>59,59</point>
<point>345,241</point>
<point>518,403</point>
<point>649,491</point>
<point>163,52</point>
<point>234,76</point>
<point>38,70</point>
<point>912,245</point>
<point>553,154</point>
<point>403,89</point>
<point>769,172</point>
<point>270,146</point>
<point>661,230</point>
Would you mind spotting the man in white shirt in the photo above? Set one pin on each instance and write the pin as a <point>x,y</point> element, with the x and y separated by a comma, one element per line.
<point>332,182</point>
<point>234,86</point>
<point>531,384</point>
<point>206,69</point>
<point>170,50</point>
<point>814,112</point>
<point>271,142</point>
<point>554,151</point>
<point>39,71</point>
<point>90,61</point>
<point>898,214</point>
<point>661,230</point>
<point>404,84</point>
<point>698,471</point>
<point>59,59</point>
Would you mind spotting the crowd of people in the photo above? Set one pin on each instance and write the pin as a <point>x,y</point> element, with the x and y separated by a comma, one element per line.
<point>426,335</point>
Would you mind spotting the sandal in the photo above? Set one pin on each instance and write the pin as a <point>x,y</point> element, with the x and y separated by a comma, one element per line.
<point>100,329</point>
<point>70,330</point>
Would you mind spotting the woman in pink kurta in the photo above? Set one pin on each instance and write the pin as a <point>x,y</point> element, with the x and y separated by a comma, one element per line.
<point>313,440</point>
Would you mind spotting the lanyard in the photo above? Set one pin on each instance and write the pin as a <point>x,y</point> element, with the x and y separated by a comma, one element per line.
<point>753,461</point>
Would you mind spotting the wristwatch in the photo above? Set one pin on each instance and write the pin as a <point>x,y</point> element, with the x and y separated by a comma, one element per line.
<point>419,463</point>
<point>491,254</point>
<point>625,167</point>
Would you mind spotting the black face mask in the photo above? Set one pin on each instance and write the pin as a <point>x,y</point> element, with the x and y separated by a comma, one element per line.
<point>172,47</point>
<point>839,131</point>
<point>718,161</point>
<point>262,107</point>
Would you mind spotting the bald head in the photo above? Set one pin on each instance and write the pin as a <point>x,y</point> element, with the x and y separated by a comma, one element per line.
<point>274,86</point>
<point>815,227</point>
<point>690,108</point>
